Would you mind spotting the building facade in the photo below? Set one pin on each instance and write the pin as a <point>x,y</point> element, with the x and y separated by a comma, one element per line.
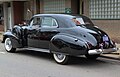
<point>104,13</point>
<point>16,11</point>
<point>1,18</point>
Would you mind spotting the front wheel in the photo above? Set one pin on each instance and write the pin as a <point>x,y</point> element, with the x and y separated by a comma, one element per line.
<point>61,58</point>
<point>8,45</point>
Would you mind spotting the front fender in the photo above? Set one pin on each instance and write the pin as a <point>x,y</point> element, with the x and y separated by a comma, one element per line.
<point>67,44</point>
<point>16,42</point>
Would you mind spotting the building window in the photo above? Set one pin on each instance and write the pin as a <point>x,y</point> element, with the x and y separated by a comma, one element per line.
<point>104,9</point>
<point>54,6</point>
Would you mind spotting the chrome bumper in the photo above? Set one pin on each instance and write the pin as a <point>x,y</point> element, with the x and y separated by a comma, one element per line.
<point>102,51</point>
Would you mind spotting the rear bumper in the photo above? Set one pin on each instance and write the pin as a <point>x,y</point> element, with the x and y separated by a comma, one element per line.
<point>102,51</point>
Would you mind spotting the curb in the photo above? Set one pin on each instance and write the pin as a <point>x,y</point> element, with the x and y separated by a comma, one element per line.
<point>110,57</point>
<point>113,55</point>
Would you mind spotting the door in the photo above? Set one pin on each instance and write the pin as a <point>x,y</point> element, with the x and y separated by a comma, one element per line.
<point>48,29</point>
<point>33,30</point>
<point>40,32</point>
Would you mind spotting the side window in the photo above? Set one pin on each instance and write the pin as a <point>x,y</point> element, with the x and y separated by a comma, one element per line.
<point>49,22</point>
<point>35,22</point>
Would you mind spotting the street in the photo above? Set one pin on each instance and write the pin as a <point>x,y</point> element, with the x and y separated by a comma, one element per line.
<point>36,64</point>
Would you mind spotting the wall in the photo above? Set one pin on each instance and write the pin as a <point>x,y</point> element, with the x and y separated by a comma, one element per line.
<point>41,6</point>
<point>1,28</point>
<point>86,7</point>
<point>112,27</point>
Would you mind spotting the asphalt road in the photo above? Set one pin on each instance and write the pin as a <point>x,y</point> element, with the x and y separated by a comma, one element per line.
<point>36,64</point>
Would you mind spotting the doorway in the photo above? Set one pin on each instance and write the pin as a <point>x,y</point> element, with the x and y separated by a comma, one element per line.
<point>77,6</point>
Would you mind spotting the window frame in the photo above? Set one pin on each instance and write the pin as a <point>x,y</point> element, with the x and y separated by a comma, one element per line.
<point>53,19</point>
<point>35,26</point>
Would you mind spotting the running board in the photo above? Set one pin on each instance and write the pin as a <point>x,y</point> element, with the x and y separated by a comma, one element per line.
<point>37,49</point>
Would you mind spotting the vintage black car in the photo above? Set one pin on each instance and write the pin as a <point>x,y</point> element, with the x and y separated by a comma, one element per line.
<point>60,34</point>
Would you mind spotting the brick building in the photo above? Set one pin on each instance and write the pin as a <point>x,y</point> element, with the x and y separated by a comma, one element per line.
<point>104,13</point>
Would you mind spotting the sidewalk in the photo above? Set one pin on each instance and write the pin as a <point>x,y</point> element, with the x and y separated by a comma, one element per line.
<point>114,55</point>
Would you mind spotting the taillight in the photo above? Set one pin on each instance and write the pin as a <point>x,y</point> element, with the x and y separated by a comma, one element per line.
<point>113,43</point>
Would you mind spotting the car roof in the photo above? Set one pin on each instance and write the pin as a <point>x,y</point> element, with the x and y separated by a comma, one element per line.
<point>60,15</point>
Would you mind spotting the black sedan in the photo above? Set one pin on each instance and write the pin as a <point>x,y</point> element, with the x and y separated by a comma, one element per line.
<point>60,34</point>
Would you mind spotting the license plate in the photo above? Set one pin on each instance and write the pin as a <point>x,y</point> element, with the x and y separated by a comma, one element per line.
<point>105,38</point>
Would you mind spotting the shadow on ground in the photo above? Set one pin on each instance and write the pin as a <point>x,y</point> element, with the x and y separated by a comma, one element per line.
<point>46,56</point>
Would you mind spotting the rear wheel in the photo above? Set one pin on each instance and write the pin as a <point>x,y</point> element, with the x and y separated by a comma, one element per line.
<point>8,45</point>
<point>61,58</point>
<point>92,57</point>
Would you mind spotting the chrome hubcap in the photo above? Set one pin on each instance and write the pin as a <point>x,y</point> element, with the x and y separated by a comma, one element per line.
<point>8,44</point>
<point>59,57</point>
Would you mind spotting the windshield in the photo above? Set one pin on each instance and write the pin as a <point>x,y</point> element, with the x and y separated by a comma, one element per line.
<point>82,21</point>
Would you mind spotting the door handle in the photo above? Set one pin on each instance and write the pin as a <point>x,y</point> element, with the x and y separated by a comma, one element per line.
<point>76,40</point>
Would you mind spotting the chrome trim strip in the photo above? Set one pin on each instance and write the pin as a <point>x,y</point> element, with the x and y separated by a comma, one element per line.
<point>37,49</point>
<point>102,51</point>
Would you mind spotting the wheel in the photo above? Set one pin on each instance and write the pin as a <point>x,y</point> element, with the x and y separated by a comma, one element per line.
<point>92,57</point>
<point>61,58</point>
<point>8,45</point>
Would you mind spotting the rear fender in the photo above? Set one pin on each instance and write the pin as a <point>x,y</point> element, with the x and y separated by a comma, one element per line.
<point>67,44</point>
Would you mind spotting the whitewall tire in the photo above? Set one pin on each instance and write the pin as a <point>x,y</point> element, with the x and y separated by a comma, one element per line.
<point>61,58</point>
<point>8,45</point>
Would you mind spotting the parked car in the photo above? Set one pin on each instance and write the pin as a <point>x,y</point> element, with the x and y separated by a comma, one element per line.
<point>60,34</point>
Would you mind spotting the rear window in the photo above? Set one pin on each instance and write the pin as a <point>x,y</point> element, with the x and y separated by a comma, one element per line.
<point>82,21</point>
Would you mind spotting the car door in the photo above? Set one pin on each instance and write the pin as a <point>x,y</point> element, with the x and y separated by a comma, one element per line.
<point>33,30</point>
<point>48,29</point>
